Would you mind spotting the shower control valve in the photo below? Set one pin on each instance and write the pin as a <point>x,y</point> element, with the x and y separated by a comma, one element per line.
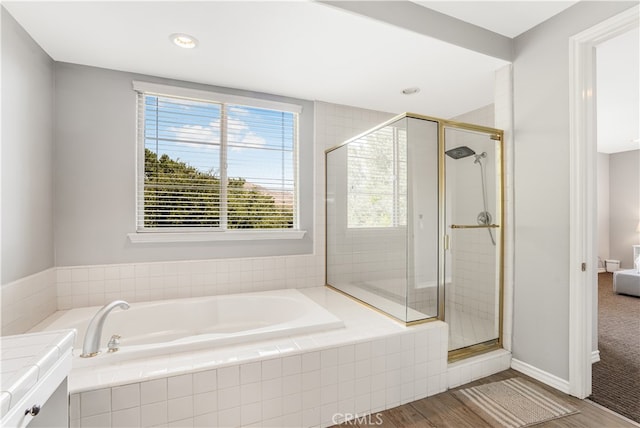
<point>484,218</point>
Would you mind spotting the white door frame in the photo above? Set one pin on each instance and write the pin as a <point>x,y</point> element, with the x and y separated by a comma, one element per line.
<point>583,185</point>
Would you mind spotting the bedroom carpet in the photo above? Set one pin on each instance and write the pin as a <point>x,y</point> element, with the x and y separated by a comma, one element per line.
<point>616,378</point>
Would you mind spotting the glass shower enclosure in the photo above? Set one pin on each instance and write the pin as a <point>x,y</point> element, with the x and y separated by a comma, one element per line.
<point>414,225</point>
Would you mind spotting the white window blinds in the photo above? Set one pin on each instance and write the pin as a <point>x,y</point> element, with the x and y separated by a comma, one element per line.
<point>207,165</point>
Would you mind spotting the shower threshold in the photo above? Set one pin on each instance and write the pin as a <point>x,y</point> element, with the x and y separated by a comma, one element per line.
<point>473,350</point>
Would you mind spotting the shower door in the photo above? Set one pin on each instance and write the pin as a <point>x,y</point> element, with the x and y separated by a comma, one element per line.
<point>473,239</point>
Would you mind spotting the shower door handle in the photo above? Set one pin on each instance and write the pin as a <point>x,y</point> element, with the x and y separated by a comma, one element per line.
<point>474,226</point>
<point>446,242</point>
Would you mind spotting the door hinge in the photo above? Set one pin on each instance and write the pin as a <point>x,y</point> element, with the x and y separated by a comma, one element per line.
<point>584,267</point>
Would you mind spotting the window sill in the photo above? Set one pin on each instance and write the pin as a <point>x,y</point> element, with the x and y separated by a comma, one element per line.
<point>245,235</point>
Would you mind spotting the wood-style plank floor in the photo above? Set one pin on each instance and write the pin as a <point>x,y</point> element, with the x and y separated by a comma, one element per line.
<point>446,411</point>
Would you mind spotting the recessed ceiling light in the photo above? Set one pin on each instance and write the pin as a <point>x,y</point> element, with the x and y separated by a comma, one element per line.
<point>411,91</point>
<point>184,40</point>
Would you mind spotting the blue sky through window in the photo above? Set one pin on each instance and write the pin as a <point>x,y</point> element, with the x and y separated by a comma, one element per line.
<point>260,142</point>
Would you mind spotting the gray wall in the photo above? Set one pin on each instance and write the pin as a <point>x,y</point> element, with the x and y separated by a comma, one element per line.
<point>27,150</point>
<point>95,163</point>
<point>602,197</point>
<point>624,191</point>
<point>541,177</point>
<point>603,206</point>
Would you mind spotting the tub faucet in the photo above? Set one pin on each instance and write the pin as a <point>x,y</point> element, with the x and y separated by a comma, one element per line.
<point>91,345</point>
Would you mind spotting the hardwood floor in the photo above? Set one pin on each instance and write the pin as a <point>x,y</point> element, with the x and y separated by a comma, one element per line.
<point>446,411</point>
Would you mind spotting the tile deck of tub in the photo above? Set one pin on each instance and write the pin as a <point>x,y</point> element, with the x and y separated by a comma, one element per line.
<point>372,364</point>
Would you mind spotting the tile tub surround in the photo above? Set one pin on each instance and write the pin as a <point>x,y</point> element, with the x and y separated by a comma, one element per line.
<point>28,301</point>
<point>372,364</point>
<point>81,286</point>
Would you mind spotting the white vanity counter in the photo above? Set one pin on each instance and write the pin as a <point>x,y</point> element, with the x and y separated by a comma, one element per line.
<point>33,366</point>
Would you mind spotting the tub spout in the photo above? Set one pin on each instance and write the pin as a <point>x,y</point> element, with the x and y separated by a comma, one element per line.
<point>91,345</point>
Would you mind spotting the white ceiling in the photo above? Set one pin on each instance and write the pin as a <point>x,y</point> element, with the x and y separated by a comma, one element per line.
<point>509,18</point>
<point>296,48</point>
<point>300,49</point>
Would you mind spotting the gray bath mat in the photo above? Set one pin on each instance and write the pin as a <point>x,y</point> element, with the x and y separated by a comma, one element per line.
<point>514,403</point>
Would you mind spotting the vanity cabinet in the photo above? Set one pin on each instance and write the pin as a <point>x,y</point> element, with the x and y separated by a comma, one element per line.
<point>33,382</point>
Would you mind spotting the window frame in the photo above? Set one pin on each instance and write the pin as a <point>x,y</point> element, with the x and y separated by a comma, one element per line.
<point>198,234</point>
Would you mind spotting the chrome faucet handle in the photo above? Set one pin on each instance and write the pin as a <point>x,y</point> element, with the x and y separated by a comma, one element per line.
<point>91,345</point>
<point>114,343</point>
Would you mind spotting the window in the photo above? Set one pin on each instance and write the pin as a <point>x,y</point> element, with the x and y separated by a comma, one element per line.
<point>377,179</point>
<point>214,162</point>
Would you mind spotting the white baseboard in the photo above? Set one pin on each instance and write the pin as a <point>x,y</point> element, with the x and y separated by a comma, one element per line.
<point>595,356</point>
<point>540,375</point>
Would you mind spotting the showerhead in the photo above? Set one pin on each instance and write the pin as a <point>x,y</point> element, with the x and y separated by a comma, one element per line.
<point>460,152</point>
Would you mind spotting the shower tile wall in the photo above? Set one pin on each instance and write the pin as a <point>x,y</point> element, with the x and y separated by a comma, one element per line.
<point>362,257</point>
<point>372,262</point>
<point>474,282</point>
<point>375,260</point>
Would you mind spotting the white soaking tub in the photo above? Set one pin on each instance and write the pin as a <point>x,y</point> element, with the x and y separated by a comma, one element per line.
<point>200,323</point>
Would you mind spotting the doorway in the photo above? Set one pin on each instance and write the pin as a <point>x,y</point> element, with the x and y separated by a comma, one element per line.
<point>583,204</point>
<point>616,342</point>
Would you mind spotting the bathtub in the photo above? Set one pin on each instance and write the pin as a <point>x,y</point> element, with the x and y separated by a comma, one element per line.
<point>171,326</point>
